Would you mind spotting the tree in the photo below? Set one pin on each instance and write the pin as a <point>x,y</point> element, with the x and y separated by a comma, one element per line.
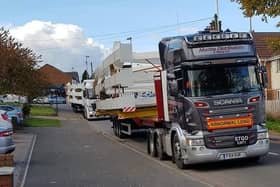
<point>85,75</point>
<point>264,8</point>
<point>19,68</point>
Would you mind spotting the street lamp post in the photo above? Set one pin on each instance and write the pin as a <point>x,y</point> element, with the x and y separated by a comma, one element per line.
<point>130,42</point>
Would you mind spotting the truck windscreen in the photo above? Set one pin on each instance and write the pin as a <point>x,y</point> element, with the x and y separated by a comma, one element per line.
<point>217,80</point>
<point>90,94</point>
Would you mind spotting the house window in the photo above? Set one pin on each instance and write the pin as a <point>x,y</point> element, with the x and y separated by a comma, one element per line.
<point>278,65</point>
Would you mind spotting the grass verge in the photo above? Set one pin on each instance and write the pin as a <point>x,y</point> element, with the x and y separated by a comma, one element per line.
<point>273,124</point>
<point>42,111</point>
<point>40,122</point>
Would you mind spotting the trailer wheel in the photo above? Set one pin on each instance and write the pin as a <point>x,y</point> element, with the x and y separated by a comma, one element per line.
<point>177,154</point>
<point>159,148</point>
<point>117,128</point>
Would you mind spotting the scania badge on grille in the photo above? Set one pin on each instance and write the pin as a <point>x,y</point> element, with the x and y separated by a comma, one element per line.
<point>232,101</point>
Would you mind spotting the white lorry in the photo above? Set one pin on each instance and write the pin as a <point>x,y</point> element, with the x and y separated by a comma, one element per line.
<point>82,99</point>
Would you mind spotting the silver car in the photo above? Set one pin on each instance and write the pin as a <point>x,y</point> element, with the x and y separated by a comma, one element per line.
<point>6,131</point>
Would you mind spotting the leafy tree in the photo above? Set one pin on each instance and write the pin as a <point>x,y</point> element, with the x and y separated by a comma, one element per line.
<point>264,8</point>
<point>85,75</point>
<point>19,68</point>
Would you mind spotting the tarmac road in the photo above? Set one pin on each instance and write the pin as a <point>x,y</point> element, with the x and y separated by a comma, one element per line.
<point>228,174</point>
<point>78,155</point>
<point>86,153</point>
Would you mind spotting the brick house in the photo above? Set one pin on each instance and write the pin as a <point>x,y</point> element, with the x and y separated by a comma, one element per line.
<point>54,76</point>
<point>57,78</point>
<point>271,60</point>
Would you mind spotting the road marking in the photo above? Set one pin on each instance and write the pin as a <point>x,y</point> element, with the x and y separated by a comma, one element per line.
<point>132,148</point>
<point>274,154</point>
<point>28,161</point>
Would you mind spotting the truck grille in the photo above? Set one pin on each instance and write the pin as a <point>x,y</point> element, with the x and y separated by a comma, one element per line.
<point>228,141</point>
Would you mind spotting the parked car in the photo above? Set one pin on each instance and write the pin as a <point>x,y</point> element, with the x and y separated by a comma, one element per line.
<point>56,99</point>
<point>40,100</point>
<point>12,98</point>
<point>6,131</point>
<point>13,112</point>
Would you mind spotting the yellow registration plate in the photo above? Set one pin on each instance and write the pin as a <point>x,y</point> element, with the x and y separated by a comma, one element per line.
<point>244,121</point>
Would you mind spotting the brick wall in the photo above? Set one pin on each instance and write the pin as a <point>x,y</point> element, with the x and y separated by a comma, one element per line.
<point>54,76</point>
<point>6,180</point>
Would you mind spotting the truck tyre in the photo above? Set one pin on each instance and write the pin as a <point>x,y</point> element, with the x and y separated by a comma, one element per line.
<point>148,143</point>
<point>177,152</point>
<point>153,150</point>
<point>74,109</point>
<point>85,114</point>
<point>159,147</point>
<point>117,127</point>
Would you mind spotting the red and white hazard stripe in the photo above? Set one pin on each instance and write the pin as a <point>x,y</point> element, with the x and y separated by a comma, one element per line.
<point>129,109</point>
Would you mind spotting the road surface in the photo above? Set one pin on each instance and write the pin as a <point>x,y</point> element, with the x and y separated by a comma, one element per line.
<point>86,153</point>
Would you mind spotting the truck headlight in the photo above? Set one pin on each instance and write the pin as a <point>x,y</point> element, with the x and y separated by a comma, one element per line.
<point>195,142</point>
<point>263,135</point>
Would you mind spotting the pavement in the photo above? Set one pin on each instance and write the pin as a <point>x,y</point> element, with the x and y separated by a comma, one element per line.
<point>274,136</point>
<point>24,142</point>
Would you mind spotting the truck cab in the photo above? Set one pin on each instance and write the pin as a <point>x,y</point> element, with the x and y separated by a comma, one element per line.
<point>89,99</point>
<point>215,104</point>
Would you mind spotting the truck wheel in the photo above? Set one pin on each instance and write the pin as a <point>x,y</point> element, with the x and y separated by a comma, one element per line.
<point>159,147</point>
<point>153,150</point>
<point>177,154</point>
<point>148,143</point>
<point>85,114</point>
<point>117,127</point>
<point>74,109</point>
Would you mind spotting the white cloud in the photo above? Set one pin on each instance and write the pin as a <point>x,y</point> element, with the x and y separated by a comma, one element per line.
<point>61,45</point>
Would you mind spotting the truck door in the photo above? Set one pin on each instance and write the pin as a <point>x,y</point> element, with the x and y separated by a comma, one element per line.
<point>175,96</point>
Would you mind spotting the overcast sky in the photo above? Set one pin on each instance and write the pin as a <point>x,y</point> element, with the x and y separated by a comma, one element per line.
<point>65,31</point>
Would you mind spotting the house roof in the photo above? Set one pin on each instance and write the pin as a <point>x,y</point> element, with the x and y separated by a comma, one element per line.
<point>74,75</point>
<point>262,44</point>
<point>55,76</point>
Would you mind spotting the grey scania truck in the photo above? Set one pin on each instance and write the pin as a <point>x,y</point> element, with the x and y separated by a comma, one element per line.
<point>210,99</point>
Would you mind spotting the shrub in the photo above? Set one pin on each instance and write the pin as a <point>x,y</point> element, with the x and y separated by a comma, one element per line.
<point>26,109</point>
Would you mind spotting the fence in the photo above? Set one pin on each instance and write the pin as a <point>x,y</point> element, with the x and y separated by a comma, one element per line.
<point>273,106</point>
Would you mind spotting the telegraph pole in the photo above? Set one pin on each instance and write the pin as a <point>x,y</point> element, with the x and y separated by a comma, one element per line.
<point>217,8</point>
<point>91,70</point>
